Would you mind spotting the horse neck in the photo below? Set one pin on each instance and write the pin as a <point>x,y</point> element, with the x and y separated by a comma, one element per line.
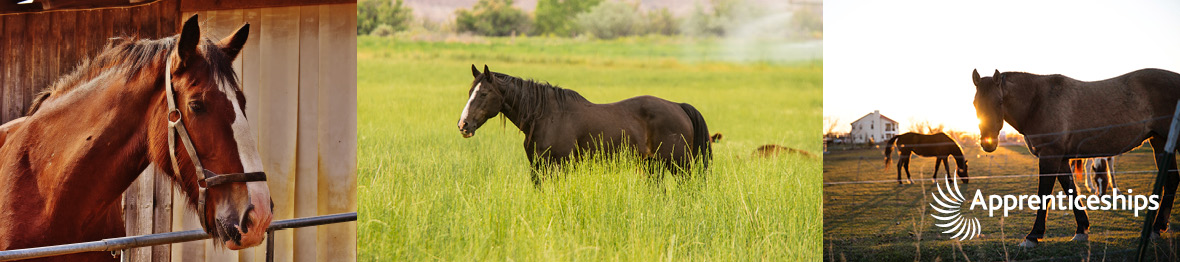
<point>524,105</point>
<point>87,146</point>
<point>1017,101</point>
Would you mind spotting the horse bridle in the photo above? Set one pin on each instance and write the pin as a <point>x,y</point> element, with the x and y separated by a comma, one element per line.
<point>211,179</point>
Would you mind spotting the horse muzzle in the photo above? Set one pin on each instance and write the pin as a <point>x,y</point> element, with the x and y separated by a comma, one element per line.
<point>251,227</point>
<point>988,144</point>
<point>988,147</point>
<point>465,129</point>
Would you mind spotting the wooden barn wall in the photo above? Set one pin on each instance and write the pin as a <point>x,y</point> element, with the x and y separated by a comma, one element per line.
<point>298,71</point>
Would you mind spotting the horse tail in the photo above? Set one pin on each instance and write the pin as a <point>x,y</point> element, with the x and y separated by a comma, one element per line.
<point>701,146</point>
<point>889,150</point>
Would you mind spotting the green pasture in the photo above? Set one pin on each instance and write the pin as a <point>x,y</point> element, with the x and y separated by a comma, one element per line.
<point>426,193</point>
<point>891,222</point>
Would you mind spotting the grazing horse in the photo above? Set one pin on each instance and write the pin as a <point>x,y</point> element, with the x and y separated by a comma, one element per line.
<point>1094,173</point>
<point>1063,118</point>
<point>560,125</point>
<point>937,145</point>
<point>92,132</point>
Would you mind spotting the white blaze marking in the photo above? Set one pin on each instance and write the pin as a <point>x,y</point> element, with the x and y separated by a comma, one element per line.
<point>467,108</point>
<point>247,146</point>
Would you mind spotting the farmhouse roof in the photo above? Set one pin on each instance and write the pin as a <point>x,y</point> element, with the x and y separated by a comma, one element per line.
<point>870,114</point>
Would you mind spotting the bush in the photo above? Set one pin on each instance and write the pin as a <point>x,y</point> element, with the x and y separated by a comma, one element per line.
<point>610,19</point>
<point>492,18</point>
<point>556,17</point>
<point>370,14</point>
<point>717,21</point>
<point>662,22</point>
<point>382,31</point>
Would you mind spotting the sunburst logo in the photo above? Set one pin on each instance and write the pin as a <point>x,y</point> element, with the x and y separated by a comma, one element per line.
<point>950,205</point>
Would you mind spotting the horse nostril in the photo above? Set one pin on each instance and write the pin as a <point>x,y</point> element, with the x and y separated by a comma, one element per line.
<point>246,221</point>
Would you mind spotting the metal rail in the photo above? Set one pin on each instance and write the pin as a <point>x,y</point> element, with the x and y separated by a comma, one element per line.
<point>123,243</point>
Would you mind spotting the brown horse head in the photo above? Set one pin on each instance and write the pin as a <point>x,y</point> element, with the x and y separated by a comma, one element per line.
<point>211,106</point>
<point>962,170</point>
<point>484,102</point>
<point>989,109</point>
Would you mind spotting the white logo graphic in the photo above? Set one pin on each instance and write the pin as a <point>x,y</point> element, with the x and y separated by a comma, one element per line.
<point>951,203</point>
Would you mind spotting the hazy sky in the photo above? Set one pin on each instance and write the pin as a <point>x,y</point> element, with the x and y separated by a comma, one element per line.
<point>913,59</point>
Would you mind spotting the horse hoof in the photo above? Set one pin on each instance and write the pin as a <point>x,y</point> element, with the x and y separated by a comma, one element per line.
<point>1028,243</point>
<point>1080,237</point>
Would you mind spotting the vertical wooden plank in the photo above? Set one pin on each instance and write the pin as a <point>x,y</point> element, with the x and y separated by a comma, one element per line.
<point>52,49</point>
<point>278,126</point>
<point>14,29</point>
<point>67,53</point>
<point>337,134</point>
<point>251,63</point>
<point>4,63</point>
<point>125,23</point>
<point>137,212</point>
<point>35,64</point>
<point>307,170</point>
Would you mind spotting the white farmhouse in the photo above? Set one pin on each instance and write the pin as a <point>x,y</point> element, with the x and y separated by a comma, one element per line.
<point>874,127</point>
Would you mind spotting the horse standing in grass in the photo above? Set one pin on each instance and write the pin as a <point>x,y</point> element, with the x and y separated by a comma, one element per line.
<point>1063,118</point>
<point>1096,174</point>
<point>937,145</point>
<point>95,130</point>
<point>560,125</point>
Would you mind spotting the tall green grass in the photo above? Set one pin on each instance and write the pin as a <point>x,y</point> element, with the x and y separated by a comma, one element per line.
<point>427,193</point>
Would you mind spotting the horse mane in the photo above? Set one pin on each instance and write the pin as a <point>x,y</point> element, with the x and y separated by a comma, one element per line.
<point>534,95</point>
<point>129,56</point>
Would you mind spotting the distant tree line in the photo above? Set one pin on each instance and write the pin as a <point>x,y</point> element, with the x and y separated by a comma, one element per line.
<point>597,18</point>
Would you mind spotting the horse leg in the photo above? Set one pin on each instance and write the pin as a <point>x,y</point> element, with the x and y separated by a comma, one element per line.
<point>1079,215</point>
<point>1049,167</point>
<point>907,169</point>
<point>1165,209</point>
<point>938,162</point>
<point>900,162</point>
<point>1164,213</point>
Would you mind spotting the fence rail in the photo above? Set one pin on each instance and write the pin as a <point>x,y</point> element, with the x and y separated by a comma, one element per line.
<point>123,243</point>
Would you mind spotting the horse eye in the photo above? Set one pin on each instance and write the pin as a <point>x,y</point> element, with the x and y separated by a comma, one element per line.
<point>196,106</point>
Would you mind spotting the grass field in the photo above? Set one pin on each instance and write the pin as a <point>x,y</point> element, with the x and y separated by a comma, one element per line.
<point>891,222</point>
<point>428,194</point>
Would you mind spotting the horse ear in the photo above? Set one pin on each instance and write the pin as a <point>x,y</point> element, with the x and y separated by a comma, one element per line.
<point>474,71</point>
<point>975,76</point>
<point>488,72</point>
<point>233,44</point>
<point>190,36</point>
<point>996,76</point>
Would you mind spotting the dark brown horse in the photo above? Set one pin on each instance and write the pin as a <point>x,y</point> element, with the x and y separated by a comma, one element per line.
<point>937,145</point>
<point>1063,118</point>
<point>96,129</point>
<point>560,125</point>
